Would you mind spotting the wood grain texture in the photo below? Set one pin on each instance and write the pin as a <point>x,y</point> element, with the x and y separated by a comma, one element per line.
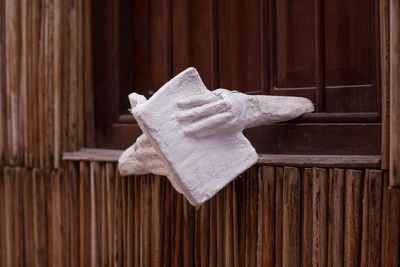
<point>268,216</point>
<point>320,217</point>
<point>291,217</point>
<point>79,211</point>
<point>279,216</point>
<point>353,217</point>
<point>394,94</point>
<point>44,99</point>
<point>375,182</point>
<point>87,214</point>
<point>255,47</point>
<point>392,228</point>
<point>307,215</point>
<point>336,217</point>
<point>385,79</point>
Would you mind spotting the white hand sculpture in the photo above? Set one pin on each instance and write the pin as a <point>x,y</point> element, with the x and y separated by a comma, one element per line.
<point>212,113</point>
<point>184,121</point>
<point>141,158</point>
<point>223,111</point>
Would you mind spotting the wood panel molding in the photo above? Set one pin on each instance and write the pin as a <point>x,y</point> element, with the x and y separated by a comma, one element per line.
<point>394,93</point>
<point>342,161</point>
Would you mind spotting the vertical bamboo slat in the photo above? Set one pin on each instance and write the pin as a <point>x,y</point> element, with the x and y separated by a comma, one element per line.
<point>385,79</point>
<point>353,208</point>
<point>320,217</point>
<point>385,201</point>
<point>365,222</point>
<point>94,214</point>
<point>393,228</point>
<point>55,223</point>
<point>220,245</point>
<point>156,231</point>
<point>229,238</point>
<point>307,214</point>
<point>267,192</point>
<point>375,211</point>
<point>57,66</point>
<point>394,93</point>
<point>27,196</point>
<point>3,97</point>
<point>336,225</point>
<point>9,216</point>
<point>84,213</point>
<point>3,241</point>
<point>278,216</point>
<point>39,218</point>
<point>291,217</point>
<point>12,56</point>
<point>71,187</point>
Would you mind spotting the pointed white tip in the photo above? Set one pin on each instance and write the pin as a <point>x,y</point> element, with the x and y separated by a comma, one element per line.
<point>136,99</point>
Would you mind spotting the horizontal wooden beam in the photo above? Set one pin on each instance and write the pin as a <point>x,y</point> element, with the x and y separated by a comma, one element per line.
<point>344,161</point>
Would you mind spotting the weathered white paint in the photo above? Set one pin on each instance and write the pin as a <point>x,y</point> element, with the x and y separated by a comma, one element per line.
<point>194,136</point>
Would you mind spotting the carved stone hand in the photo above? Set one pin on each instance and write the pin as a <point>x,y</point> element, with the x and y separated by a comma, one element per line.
<point>212,113</point>
<point>224,111</point>
<point>141,158</point>
<point>194,136</point>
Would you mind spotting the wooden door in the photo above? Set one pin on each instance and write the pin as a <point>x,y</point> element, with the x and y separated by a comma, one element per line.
<point>327,51</point>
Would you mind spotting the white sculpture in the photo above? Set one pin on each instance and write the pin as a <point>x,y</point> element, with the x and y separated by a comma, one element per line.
<point>194,136</point>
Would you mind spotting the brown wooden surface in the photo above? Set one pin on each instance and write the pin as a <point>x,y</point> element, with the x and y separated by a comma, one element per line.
<point>88,214</point>
<point>346,161</point>
<point>394,94</point>
<point>385,79</point>
<point>336,218</point>
<point>45,81</point>
<point>318,138</point>
<point>291,217</point>
<point>353,217</point>
<point>320,217</point>
<point>81,212</point>
<point>307,215</point>
<point>393,228</point>
<point>254,47</point>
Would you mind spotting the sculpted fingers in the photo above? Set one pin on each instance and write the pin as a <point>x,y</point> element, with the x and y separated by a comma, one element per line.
<point>128,164</point>
<point>206,110</point>
<point>197,100</point>
<point>146,153</point>
<point>142,141</point>
<point>209,126</point>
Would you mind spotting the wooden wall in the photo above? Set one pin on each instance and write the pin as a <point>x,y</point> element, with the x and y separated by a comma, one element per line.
<point>45,79</point>
<point>69,213</point>
<point>86,214</point>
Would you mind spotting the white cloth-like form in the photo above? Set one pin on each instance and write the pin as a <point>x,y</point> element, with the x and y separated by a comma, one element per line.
<point>198,167</point>
<point>193,135</point>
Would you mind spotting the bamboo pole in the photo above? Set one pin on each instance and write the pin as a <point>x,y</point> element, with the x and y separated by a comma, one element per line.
<point>307,212</point>
<point>353,211</point>
<point>291,217</point>
<point>268,216</point>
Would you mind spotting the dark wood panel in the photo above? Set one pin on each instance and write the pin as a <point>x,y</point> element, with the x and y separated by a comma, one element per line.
<point>118,135</point>
<point>295,45</point>
<point>350,46</point>
<point>241,45</point>
<point>351,53</point>
<point>394,94</point>
<point>132,52</point>
<point>194,39</point>
<point>304,138</point>
<point>245,46</point>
